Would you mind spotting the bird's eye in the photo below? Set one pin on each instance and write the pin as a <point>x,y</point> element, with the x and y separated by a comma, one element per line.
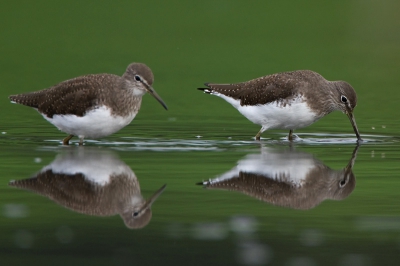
<point>135,214</point>
<point>343,99</point>
<point>342,183</point>
<point>137,78</point>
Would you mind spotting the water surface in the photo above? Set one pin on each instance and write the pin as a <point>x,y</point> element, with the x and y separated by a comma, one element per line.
<point>318,201</point>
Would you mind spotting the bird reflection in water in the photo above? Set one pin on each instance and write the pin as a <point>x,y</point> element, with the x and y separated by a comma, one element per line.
<point>93,182</point>
<point>287,178</point>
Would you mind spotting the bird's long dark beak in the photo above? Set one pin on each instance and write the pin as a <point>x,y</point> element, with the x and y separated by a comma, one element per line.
<point>153,198</point>
<point>155,95</point>
<point>350,115</point>
<point>349,168</point>
<point>350,165</point>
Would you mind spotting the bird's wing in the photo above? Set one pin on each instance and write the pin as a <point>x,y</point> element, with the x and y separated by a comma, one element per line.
<point>277,87</point>
<point>74,96</point>
<point>259,186</point>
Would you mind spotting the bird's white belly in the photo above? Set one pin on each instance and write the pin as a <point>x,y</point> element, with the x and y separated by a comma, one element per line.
<point>282,167</point>
<point>293,115</point>
<point>95,168</point>
<point>96,123</point>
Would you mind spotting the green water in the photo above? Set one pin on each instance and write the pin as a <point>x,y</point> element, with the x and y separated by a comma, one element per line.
<point>201,137</point>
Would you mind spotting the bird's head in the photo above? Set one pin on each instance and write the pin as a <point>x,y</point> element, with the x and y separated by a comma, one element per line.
<point>345,100</point>
<point>141,78</point>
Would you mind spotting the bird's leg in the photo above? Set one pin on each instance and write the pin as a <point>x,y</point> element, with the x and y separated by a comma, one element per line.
<point>66,140</point>
<point>290,137</point>
<point>259,134</point>
<point>81,141</point>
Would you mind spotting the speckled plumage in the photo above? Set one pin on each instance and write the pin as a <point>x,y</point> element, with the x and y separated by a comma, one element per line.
<point>80,95</point>
<point>271,179</point>
<point>283,91</point>
<point>69,100</point>
<point>92,182</point>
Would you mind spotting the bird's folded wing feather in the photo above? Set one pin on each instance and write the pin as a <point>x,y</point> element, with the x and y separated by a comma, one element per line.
<point>74,96</point>
<point>264,90</point>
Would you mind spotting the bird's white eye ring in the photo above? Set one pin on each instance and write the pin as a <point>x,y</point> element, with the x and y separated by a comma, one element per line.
<point>343,99</point>
<point>137,78</point>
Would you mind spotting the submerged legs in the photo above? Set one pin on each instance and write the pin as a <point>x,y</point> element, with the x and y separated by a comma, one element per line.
<point>66,140</point>
<point>290,137</point>
<point>259,134</point>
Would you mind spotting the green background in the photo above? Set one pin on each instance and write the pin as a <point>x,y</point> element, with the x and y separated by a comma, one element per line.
<point>187,43</point>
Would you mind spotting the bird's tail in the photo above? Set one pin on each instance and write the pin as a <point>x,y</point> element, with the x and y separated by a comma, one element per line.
<point>203,183</point>
<point>206,90</point>
<point>25,99</point>
<point>13,98</point>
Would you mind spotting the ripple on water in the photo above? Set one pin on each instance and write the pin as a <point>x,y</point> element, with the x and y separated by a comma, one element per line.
<point>157,144</point>
<point>324,138</point>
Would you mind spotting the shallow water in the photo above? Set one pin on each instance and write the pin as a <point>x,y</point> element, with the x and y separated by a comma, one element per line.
<point>320,200</point>
<point>70,221</point>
